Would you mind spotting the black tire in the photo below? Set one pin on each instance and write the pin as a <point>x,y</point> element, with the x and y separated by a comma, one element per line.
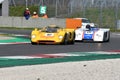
<point>65,41</point>
<point>106,37</point>
<point>73,39</point>
<point>33,43</point>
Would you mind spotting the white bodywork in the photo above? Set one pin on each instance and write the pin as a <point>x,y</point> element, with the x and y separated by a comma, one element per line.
<point>99,35</point>
<point>85,22</point>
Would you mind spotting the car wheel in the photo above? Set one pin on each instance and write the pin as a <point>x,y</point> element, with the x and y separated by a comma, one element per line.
<point>65,41</point>
<point>106,37</point>
<point>33,43</point>
<point>73,39</point>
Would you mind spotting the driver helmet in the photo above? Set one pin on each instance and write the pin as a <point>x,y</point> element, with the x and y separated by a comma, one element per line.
<point>88,26</point>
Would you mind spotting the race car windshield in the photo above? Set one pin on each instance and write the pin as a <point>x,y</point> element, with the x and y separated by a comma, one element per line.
<point>85,21</point>
<point>51,29</point>
<point>94,28</point>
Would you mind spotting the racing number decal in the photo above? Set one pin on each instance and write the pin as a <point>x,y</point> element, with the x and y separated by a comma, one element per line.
<point>49,34</point>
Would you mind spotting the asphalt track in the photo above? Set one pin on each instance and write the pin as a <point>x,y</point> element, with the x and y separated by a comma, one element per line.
<point>76,51</point>
<point>28,49</point>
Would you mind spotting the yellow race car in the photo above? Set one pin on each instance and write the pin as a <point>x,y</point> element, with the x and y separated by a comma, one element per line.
<point>53,34</point>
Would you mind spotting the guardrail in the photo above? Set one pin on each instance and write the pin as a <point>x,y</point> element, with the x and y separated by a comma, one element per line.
<point>21,22</point>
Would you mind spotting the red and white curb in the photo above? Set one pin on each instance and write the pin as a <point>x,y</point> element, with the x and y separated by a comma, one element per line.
<point>60,55</point>
<point>8,37</point>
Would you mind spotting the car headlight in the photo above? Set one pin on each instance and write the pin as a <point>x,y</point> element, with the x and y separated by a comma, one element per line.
<point>60,37</point>
<point>33,36</point>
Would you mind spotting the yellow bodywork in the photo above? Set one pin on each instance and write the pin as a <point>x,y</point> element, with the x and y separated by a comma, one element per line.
<point>54,37</point>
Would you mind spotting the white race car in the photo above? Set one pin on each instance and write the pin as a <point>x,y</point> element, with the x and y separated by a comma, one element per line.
<point>94,34</point>
<point>85,22</point>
